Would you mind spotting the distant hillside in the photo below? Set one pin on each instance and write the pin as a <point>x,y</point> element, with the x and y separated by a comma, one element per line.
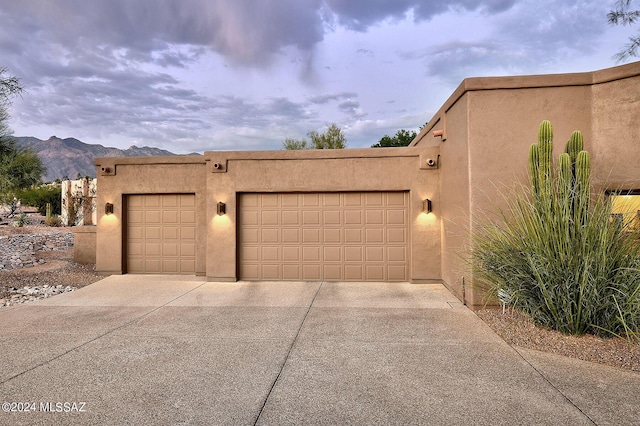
<point>70,157</point>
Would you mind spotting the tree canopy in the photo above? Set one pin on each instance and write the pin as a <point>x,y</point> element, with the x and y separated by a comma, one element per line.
<point>624,15</point>
<point>402,138</point>
<point>332,138</point>
<point>19,167</point>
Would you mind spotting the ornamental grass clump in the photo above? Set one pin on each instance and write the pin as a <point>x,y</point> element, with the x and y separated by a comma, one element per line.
<point>557,255</point>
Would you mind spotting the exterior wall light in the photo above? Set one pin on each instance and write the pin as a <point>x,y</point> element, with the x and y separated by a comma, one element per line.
<point>221,208</point>
<point>426,206</point>
<point>108,208</point>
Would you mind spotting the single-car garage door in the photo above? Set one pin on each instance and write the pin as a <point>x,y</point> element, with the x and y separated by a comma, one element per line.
<point>350,236</point>
<point>161,234</point>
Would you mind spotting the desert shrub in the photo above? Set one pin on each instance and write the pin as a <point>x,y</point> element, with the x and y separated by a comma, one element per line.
<point>41,195</point>
<point>53,220</point>
<point>21,220</point>
<point>556,254</point>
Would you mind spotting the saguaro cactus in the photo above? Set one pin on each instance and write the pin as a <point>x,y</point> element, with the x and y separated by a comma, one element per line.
<point>569,190</point>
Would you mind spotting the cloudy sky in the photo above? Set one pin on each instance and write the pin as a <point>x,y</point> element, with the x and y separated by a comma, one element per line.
<point>196,75</point>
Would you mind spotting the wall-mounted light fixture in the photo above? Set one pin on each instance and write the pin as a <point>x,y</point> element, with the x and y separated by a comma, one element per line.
<point>426,206</point>
<point>221,208</point>
<point>108,208</point>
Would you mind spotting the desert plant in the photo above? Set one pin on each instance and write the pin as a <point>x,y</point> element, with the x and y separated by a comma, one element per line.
<point>53,220</point>
<point>21,220</point>
<point>40,196</point>
<point>556,254</point>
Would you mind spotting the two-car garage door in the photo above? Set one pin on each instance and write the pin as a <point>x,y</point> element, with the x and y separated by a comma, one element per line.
<point>350,236</point>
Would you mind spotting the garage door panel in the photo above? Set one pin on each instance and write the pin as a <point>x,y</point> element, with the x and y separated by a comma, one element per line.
<point>187,232</point>
<point>311,254</point>
<point>291,254</point>
<point>153,233</point>
<point>396,235</point>
<point>331,217</point>
<point>289,200</point>
<point>310,200</point>
<point>250,236</point>
<point>374,254</point>
<point>270,254</point>
<point>374,236</point>
<point>249,218</point>
<point>160,233</point>
<point>270,218</point>
<point>374,273</point>
<point>396,273</point>
<point>271,235</point>
<point>250,254</point>
<point>353,272</point>
<point>152,249</point>
<point>323,236</point>
<point>187,217</point>
<point>311,272</point>
<point>188,250</point>
<point>332,272</point>
<point>170,201</point>
<point>353,199</point>
<point>290,218</point>
<point>332,254</point>
<point>170,266</point>
<point>353,217</point>
<point>170,249</point>
<point>269,200</point>
<point>270,272</point>
<point>396,254</point>
<point>395,217</point>
<point>332,236</point>
<point>291,236</point>
<point>353,254</point>
<point>136,231</point>
<point>311,236</point>
<point>374,199</point>
<point>153,216</point>
<point>353,236</point>
<point>374,217</point>
<point>152,264</point>
<point>291,272</point>
<point>187,265</point>
<point>152,201</point>
<point>310,217</point>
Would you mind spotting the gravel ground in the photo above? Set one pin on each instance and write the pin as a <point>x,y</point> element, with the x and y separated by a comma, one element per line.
<point>513,327</point>
<point>518,330</point>
<point>59,269</point>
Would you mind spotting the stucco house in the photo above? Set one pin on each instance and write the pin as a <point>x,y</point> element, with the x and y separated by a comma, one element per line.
<point>393,214</point>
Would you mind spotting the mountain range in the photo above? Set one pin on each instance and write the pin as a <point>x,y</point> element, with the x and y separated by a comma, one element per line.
<point>69,158</point>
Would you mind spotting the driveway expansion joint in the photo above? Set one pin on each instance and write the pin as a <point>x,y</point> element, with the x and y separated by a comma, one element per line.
<point>286,358</point>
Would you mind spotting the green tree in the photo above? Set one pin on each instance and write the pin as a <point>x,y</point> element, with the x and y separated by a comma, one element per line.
<point>623,15</point>
<point>295,144</point>
<point>332,138</point>
<point>19,167</point>
<point>402,138</point>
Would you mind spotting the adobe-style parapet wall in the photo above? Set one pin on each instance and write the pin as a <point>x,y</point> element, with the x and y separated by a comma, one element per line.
<point>19,251</point>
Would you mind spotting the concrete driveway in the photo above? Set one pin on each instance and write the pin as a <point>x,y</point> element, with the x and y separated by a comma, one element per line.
<point>172,350</point>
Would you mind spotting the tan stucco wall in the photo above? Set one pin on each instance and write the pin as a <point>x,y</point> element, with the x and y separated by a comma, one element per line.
<point>84,244</point>
<point>489,124</point>
<point>389,169</point>
<point>144,175</point>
